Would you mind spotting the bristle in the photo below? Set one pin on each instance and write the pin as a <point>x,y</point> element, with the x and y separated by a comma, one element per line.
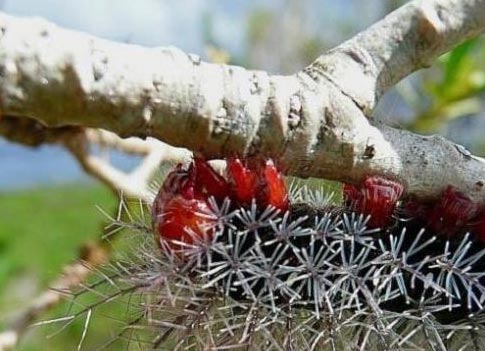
<point>311,278</point>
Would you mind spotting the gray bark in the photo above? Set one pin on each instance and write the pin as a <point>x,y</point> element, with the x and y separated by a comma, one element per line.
<point>314,123</point>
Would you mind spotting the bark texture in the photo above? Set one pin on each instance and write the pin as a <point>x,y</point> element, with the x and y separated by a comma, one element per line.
<point>314,123</point>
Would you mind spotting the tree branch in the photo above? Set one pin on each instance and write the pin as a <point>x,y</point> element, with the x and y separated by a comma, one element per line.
<point>135,184</point>
<point>410,38</point>
<point>78,141</point>
<point>314,122</point>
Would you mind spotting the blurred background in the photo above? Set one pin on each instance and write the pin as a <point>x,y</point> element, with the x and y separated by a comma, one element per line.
<point>49,204</point>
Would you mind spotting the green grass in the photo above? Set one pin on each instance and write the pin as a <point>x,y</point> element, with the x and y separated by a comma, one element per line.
<point>41,230</point>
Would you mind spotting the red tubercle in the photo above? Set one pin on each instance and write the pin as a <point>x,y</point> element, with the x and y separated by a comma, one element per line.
<point>376,197</point>
<point>181,210</point>
<point>208,182</point>
<point>452,212</point>
<point>273,190</point>
<point>185,220</point>
<point>243,181</point>
<point>260,181</point>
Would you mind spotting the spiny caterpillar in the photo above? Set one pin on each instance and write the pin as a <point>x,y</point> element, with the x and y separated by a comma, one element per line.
<point>243,263</point>
<point>286,262</point>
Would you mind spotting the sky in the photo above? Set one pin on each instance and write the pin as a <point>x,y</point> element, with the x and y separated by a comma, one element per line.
<point>145,22</point>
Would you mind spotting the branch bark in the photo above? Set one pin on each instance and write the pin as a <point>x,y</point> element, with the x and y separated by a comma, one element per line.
<point>410,38</point>
<point>313,122</point>
<point>78,141</point>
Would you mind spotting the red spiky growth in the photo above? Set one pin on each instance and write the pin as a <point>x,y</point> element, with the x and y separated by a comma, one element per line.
<point>208,182</point>
<point>181,210</point>
<point>242,180</point>
<point>273,188</point>
<point>262,182</point>
<point>452,212</point>
<point>376,197</point>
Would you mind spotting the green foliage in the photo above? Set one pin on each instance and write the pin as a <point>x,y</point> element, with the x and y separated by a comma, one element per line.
<point>453,86</point>
<point>41,230</point>
<point>259,23</point>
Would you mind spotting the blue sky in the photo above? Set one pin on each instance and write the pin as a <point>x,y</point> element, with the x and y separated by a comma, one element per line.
<point>145,22</point>
<point>179,22</point>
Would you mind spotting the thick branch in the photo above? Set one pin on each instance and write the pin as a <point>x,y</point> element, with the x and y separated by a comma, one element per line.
<point>408,39</point>
<point>314,122</point>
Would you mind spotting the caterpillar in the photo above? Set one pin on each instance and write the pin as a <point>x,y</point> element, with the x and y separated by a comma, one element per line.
<point>376,252</point>
<point>241,261</point>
